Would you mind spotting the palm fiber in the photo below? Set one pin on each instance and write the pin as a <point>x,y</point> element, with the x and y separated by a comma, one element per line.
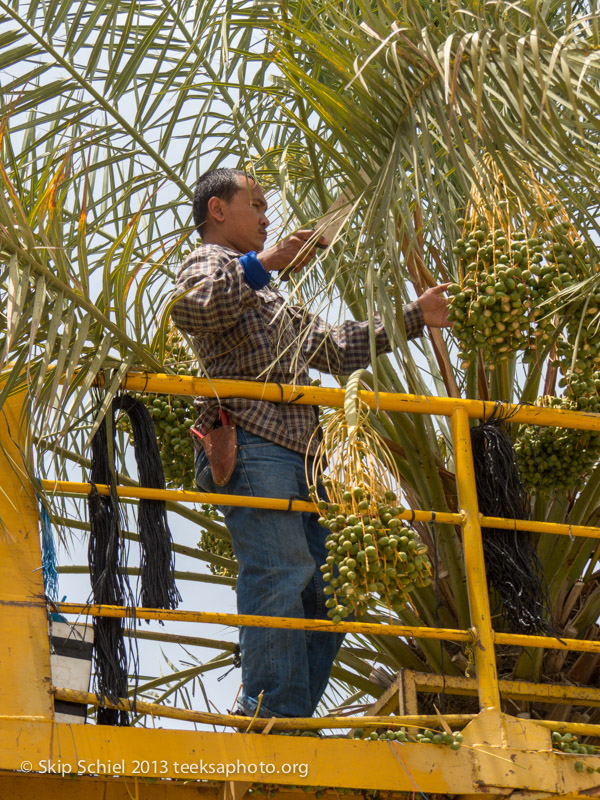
<point>107,553</point>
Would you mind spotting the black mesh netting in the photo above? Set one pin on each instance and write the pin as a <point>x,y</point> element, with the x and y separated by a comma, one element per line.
<point>512,567</point>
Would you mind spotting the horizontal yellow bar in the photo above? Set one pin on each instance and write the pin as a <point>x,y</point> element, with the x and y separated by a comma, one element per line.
<point>141,493</point>
<point>551,643</point>
<point>416,515</point>
<point>173,495</point>
<point>578,728</point>
<point>251,621</point>
<point>161,764</point>
<point>444,634</point>
<point>281,724</point>
<point>386,401</point>
<point>560,529</point>
<point>514,690</point>
<point>513,766</point>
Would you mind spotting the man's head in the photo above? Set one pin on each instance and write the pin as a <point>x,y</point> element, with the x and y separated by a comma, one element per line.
<point>229,209</point>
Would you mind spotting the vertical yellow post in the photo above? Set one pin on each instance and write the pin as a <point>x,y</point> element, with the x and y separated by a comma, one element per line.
<point>479,604</point>
<point>25,679</point>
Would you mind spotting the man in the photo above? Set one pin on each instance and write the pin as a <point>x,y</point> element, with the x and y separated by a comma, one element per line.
<point>242,329</point>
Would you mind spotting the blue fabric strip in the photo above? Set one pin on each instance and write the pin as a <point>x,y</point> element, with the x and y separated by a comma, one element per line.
<point>49,557</point>
<point>255,274</point>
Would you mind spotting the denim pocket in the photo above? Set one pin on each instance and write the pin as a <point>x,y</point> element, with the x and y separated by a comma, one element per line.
<point>203,473</point>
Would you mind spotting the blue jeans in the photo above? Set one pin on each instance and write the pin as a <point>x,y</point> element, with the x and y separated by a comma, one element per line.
<point>279,555</point>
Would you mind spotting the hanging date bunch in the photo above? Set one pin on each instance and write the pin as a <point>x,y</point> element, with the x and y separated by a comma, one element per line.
<point>173,417</point>
<point>578,354</point>
<point>513,262</point>
<point>211,542</point>
<point>555,459</point>
<point>372,552</point>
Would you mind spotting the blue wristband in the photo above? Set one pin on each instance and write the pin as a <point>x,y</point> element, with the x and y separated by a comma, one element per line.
<point>255,275</point>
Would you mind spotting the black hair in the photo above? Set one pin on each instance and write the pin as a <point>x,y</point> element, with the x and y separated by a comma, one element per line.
<point>222,183</point>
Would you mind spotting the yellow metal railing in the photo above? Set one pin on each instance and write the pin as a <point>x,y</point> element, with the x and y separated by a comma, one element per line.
<point>460,412</point>
<point>283,723</point>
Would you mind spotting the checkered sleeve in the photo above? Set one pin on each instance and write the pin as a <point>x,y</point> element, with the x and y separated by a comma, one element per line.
<point>413,320</point>
<point>212,292</point>
<point>344,348</point>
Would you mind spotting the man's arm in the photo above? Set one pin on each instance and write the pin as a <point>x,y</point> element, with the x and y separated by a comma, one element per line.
<point>344,348</point>
<point>216,288</point>
<point>213,292</point>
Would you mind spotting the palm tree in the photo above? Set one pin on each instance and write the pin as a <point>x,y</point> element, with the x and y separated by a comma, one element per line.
<point>413,109</point>
<point>423,110</point>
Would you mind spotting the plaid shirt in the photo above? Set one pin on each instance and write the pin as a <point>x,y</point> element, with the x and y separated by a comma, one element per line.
<point>249,335</point>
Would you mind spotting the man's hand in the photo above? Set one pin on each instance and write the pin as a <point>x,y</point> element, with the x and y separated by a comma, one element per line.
<point>434,305</point>
<point>292,251</point>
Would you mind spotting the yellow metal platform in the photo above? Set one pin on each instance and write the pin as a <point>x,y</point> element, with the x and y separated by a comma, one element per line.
<point>500,755</point>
